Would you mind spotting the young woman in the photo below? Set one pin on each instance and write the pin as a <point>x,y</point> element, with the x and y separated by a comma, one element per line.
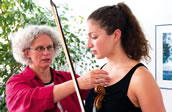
<point>115,34</point>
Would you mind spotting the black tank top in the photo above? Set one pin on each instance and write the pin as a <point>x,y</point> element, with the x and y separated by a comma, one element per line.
<point>115,99</point>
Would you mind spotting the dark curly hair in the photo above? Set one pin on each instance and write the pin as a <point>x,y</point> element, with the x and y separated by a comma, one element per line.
<point>121,17</point>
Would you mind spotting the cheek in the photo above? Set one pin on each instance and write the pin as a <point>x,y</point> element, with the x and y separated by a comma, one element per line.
<point>104,47</point>
<point>99,44</point>
<point>35,57</point>
<point>52,54</point>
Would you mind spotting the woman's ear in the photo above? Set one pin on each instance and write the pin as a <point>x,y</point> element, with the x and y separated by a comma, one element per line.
<point>117,34</point>
<point>26,53</point>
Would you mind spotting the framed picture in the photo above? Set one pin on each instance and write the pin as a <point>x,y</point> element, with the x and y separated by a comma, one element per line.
<point>163,55</point>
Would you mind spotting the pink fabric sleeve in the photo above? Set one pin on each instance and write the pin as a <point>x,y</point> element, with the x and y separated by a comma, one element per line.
<point>21,97</point>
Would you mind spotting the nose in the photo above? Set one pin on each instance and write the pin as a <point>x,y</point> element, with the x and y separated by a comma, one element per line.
<point>89,43</point>
<point>46,51</point>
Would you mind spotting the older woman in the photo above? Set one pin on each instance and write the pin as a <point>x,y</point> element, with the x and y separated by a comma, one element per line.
<point>39,87</point>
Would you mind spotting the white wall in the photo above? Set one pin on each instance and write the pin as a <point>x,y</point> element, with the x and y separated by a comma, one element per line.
<point>148,12</point>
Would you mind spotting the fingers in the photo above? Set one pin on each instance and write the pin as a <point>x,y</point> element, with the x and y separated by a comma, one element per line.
<point>94,78</point>
<point>101,77</point>
<point>101,81</point>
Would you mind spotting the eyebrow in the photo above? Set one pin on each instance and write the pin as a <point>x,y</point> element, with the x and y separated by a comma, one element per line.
<point>91,33</point>
<point>43,46</point>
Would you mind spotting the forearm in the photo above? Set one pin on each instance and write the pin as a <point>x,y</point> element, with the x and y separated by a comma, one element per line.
<point>86,81</point>
<point>63,90</point>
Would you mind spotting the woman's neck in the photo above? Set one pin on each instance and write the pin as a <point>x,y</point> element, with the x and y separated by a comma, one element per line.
<point>119,61</point>
<point>43,73</point>
<point>117,58</point>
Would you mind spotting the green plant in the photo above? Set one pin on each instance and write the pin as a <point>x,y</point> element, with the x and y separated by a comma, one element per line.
<point>74,35</point>
<point>17,13</point>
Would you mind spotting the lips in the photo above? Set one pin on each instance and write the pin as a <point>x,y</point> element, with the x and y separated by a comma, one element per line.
<point>94,51</point>
<point>46,59</point>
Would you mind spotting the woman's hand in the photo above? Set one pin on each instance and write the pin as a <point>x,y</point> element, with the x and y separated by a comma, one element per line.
<point>93,78</point>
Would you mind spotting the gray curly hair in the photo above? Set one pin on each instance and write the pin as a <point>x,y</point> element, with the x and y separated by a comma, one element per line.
<point>25,36</point>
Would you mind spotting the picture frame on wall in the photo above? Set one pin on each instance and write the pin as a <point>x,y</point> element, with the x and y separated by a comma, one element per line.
<point>163,55</point>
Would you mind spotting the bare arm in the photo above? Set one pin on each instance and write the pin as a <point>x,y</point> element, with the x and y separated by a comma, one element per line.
<point>87,81</point>
<point>147,92</point>
<point>60,91</point>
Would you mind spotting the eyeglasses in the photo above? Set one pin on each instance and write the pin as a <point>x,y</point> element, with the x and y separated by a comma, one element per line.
<point>41,48</point>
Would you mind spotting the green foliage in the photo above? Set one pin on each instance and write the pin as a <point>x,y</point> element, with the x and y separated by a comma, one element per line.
<point>74,35</point>
<point>17,13</point>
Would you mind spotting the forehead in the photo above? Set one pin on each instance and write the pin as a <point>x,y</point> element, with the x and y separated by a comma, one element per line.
<point>42,39</point>
<point>94,27</point>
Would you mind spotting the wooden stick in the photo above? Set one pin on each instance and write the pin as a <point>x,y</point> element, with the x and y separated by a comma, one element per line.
<point>57,20</point>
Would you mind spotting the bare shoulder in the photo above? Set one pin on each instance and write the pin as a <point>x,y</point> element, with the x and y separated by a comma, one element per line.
<point>142,75</point>
<point>146,90</point>
<point>143,81</point>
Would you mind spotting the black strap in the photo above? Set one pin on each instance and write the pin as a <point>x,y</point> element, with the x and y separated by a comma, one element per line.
<point>129,75</point>
<point>103,66</point>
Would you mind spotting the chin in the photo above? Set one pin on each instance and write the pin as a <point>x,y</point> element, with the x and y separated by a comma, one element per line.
<point>45,65</point>
<point>99,57</point>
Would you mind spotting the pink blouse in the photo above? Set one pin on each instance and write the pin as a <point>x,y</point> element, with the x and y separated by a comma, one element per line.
<point>25,92</point>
